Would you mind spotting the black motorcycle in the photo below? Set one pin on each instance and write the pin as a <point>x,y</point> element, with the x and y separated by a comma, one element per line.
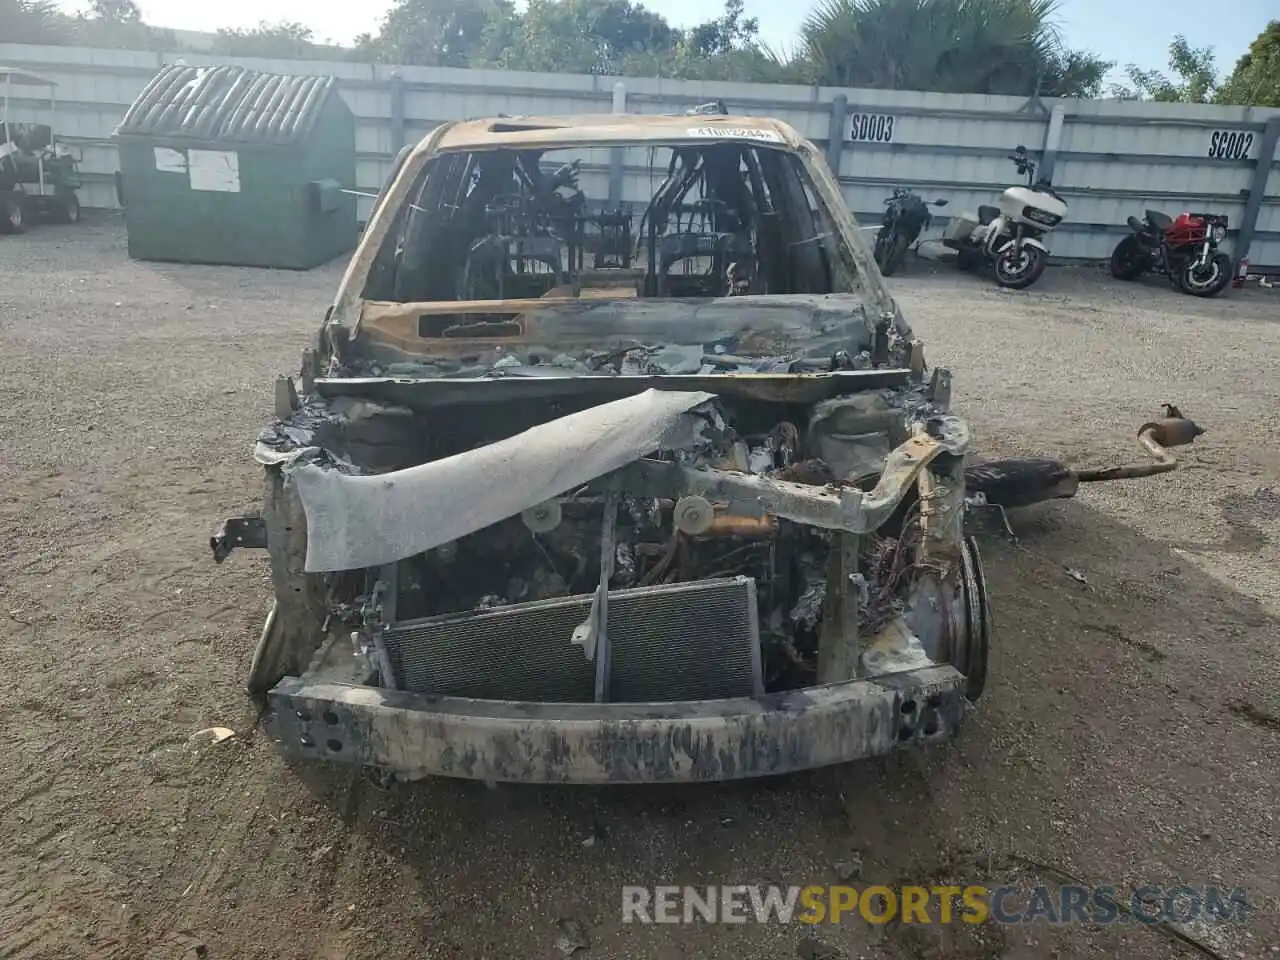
<point>905,216</point>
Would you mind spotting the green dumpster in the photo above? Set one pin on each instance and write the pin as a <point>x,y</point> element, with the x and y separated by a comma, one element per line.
<point>228,165</point>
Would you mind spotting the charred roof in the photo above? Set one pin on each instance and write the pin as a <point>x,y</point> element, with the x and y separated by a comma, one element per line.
<point>610,128</point>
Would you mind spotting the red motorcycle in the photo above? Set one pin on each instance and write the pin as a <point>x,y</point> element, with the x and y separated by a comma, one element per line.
<point>1185,249</point>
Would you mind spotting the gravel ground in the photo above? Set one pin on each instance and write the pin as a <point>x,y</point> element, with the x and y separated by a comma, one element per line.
<point>1128,735</point>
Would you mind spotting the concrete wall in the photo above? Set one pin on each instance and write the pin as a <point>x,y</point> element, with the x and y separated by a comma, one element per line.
<point>1108,159</point>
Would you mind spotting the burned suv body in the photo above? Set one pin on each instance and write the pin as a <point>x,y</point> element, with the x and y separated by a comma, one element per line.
<point>571,491</point>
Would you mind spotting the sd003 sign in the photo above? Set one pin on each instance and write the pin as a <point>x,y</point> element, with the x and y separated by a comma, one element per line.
<point>1230,144</point>
<point>871,128</point>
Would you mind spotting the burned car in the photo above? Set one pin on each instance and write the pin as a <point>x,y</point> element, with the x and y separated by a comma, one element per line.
<point>572,490</point>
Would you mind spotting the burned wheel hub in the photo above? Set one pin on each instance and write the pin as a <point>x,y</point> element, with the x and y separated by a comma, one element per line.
<point>970,644</point>
<point>947,609</point>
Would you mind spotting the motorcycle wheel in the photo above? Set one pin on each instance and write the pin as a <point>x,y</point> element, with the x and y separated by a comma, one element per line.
<point>1018,269</point>
<point>1126,259</point>
<point>895,252</point>
<point>883,237</point>
<point>1207,281</point>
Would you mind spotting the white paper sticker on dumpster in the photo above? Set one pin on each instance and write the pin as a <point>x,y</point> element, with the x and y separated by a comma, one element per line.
<point>170,161</point>
<point>217,170</point>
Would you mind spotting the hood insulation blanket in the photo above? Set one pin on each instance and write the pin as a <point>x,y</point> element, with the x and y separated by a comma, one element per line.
<point>366,521</point>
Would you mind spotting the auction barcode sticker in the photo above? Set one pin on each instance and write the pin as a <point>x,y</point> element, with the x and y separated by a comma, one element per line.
<point>735,133</point>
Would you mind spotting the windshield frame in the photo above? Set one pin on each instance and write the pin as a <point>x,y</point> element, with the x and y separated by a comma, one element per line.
<point>855,252</point>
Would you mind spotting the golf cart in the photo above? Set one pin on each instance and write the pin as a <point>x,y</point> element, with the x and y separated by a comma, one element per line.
<point>37,176</point>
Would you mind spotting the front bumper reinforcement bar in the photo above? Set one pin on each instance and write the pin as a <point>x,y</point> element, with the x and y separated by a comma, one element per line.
<point>415,735</point>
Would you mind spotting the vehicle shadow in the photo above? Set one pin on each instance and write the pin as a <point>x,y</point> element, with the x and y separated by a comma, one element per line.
<point>1242,513</point>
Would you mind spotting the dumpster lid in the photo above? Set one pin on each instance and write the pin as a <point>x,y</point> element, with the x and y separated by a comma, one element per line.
<point>226,104</point>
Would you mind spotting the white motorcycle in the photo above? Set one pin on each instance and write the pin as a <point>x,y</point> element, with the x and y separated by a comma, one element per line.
<point>1009,236</point>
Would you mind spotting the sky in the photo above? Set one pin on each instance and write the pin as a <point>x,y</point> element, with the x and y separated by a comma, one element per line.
<point>1125,31</point>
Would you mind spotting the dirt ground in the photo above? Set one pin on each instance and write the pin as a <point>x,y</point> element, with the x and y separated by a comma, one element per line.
<point>1128,736</point>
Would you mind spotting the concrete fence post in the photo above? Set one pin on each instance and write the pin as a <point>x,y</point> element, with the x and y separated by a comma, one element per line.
<point>616,153</point>
<point>1052,140</point>
<point>1257,187</point>
<point>835,132</point>
<point>396,87</point>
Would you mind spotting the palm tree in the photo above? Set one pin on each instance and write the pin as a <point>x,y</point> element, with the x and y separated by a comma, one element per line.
<point>949,46</point>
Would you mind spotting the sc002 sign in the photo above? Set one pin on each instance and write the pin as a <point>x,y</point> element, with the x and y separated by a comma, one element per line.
<point>1230,144</point>
<point>871,128</point>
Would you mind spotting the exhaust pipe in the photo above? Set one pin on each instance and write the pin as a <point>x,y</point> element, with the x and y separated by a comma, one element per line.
<point>1022,481</point>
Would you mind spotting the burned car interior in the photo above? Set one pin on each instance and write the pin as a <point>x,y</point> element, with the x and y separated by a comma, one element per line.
<point>724,219</point>
<point>650,492</point>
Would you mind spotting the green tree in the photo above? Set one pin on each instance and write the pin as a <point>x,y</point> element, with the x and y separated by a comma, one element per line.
<point>1255,81</point>
<point>33,21</point>
<point>439,33</point>
<point>950,46</point>
<point>571,36</point>
<point>728,32</point>
<point>585,36</point>
<point>725,48</point>
<point>116,11</point>
<point>118,24</point>
<point>1073,73</point>
<point>683,62</point>
<point>282,41</point>
<point>1194,77</point>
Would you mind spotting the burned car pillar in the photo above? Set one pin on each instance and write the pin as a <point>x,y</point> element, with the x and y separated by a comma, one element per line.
<point>587,494</point>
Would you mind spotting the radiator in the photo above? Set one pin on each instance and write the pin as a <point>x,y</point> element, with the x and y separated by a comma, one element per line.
<point>686,641</point>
